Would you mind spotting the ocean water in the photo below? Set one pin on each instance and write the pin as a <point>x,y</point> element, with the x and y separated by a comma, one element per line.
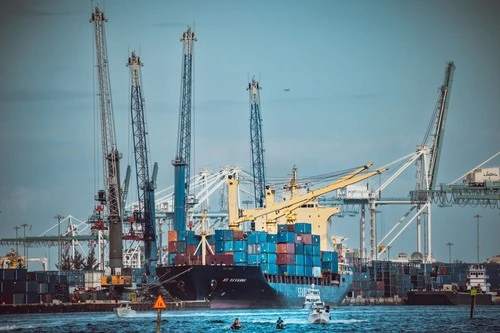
<point>343,319</point>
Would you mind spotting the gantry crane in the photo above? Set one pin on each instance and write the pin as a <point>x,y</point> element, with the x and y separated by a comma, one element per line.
<point>256,142</point>
<point>110,155</point>
<point>181,162</point>
<point>145,214</point>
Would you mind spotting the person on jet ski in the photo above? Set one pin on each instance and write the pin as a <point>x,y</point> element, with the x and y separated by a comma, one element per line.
<point>280,324</point>
<point>236,324</point>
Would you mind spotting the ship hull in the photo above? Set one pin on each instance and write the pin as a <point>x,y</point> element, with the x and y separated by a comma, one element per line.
<point>446,298</point>
<point>243,287</point>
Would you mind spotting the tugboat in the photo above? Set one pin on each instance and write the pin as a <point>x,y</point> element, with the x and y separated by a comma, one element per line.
<point>450,295</point>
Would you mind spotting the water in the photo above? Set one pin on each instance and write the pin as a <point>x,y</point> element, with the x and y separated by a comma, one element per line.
<point>344,319</point>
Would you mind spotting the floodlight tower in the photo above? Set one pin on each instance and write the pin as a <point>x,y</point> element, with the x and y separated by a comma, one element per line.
<point>257,144</point>
<point>181,162</point>
<point>110,155</point>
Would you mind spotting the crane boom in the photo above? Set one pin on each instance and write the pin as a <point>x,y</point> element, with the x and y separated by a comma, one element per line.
<point>439,121</point>
<point>288,206</point>
<point>111,156</point>
<point>145,187</point>
<point>181,162</point>
<point>125,187</point>
<point>257,144</point>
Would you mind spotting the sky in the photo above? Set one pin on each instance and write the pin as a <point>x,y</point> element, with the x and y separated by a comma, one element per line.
<point>363,79</point>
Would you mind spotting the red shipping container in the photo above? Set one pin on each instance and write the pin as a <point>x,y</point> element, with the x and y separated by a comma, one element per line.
<point>286,259</point>
<point>191,248</point>
<point>181,259</point>
<point>307,238</point>
<point>285,248</point>
<point>281,248</point>
<point>172,246</point>
<point>238,235</point>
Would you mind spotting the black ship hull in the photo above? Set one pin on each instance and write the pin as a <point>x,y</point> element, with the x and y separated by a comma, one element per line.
<point>245,286</point>
<point>223,286</point>
<point>446,298</point>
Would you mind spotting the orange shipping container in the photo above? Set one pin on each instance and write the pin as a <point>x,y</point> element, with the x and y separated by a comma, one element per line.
<point>172,236</point>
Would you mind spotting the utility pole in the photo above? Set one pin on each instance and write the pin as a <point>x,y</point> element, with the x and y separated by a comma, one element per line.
<point>17,243</point>
<point>449,249</point>
<point>24,225</point>
<point>477,217</point>
<point>59,217</point>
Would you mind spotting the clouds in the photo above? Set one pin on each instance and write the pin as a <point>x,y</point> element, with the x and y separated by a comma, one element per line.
<point>43,95</point>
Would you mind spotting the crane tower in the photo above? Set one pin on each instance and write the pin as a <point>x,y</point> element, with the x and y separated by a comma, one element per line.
<point>110,155</point>
<point>145,214</point>
<point>181,162</point>
<point>257,144</point>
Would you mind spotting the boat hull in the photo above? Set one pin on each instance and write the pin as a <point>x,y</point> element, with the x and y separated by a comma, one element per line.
<point>436,297</point>
<point>242,287</point>
<point>319,318</point>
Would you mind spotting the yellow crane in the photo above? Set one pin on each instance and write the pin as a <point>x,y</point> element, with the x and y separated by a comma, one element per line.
<point>299,208</point>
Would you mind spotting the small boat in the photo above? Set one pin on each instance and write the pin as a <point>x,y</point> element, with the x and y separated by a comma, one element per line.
<point>312,296</point>
<point>125,310</point>
<point>320,313</point>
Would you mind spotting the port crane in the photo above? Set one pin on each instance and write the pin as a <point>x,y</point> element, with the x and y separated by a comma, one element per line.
<point>144,215</point>
<point>110,197</point>
<point>181,162</point>
<point>426,157</point>
<point>257,144</point>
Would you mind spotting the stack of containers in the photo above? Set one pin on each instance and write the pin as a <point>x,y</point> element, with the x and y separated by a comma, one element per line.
<point>181,246</point>
<point>293,251</point>
<point>18,286</point>
<point>285,250</point>
<point>268,256</point>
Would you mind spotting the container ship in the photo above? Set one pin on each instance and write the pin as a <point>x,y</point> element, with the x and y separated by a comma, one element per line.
<point>253,270</point>
<point>273,262</point>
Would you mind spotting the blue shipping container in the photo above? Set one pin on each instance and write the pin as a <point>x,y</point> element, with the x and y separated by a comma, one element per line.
<point>303,228</point>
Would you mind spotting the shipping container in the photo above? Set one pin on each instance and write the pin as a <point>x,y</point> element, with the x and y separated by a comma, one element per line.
<point>479,176</point>
<point>271,269</point>
<point>303,228</point>
<point>172,236</point>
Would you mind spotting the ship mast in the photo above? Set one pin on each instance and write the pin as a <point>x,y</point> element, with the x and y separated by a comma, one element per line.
<point>203,242</point>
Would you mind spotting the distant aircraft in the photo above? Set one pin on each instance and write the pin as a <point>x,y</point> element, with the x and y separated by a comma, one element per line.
<point>286,89</point>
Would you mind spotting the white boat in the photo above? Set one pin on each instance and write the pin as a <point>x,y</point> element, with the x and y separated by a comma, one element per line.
<point>125,310</point>
<point>320,314</point>
<point>312,297</point>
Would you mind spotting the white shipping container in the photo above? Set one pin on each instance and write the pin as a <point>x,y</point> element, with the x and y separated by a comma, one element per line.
<point>353,192</point>
<point>483,175</point>
<point>316,271</point>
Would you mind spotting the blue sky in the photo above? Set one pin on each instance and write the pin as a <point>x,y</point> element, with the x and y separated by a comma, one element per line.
<point>363,79</point>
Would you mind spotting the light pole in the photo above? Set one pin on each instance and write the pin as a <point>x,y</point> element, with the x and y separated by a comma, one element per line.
<point>59,217</point>
<point>477,217</point>
<point>24,225</point>
<point>449,249</point>
<point>17,243</point>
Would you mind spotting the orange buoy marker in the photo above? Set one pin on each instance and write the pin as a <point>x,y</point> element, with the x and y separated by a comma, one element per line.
<point>159,305</point>
<point>473,293</point>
